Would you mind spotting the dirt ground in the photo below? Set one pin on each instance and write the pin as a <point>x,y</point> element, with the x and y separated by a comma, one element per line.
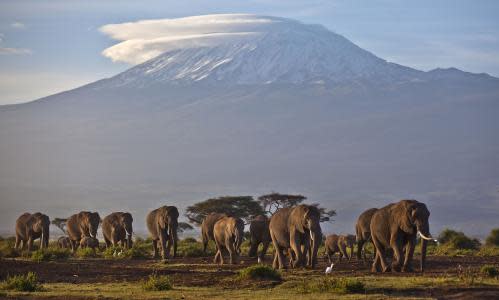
<point>201,272</point>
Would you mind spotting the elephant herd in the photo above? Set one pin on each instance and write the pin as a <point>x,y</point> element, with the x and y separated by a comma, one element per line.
<point>295,233</point>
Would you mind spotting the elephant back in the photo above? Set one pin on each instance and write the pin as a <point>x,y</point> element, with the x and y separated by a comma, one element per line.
<point>208,223</point>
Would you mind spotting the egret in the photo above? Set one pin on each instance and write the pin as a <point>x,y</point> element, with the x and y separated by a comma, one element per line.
<point>329,269</point>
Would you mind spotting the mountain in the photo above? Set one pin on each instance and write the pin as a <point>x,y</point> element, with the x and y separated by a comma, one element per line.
<point>284,107</point>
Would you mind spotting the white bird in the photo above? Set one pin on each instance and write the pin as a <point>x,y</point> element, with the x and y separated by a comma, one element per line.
<point>259,260</point>
<point>330,269</point>
<point>115,253</point>
<point>121,252</point>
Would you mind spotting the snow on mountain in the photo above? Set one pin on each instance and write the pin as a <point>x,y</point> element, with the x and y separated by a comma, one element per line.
<point>276,51</point>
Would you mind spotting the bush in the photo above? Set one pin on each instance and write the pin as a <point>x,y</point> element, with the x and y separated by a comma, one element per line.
<point>259,272</point>
<point>22,283</point>
<point>328,284</point>
<point>488,251</point>
<point>157,283</point>
<point>489,271</point>
<point>189,240</point>
<point>193,248</point>
<point>86,253</point>
<point>50,254</point>
<point>493,238</point>
<point>458,240</point>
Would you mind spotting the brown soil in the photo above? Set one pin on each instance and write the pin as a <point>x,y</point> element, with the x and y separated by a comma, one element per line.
<point>202,272</point>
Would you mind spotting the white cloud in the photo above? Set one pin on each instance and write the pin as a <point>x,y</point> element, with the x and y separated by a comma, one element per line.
<point>18,25</point>
<point>143,40</point>
<point>14,51</point>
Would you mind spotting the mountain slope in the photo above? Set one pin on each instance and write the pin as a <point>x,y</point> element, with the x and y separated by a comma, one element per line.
<point>302,110</point>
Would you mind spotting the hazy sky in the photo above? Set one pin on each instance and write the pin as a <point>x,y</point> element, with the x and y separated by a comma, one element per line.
<point>51,46</point>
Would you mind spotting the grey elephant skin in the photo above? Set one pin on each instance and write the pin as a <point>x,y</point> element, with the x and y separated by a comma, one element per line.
<point>89,242</point>
<point>207,228</point>
<point>30,227</point>
<point>363,231</point>
<point>259,234</point>
<point>117,229</point>
<point>162,224</point>
<point>80,225</point>
<point>396,226</point>
<point>64,242</point>
<point>297,228</point>
<point>228,233</point>
<point>339,243</point>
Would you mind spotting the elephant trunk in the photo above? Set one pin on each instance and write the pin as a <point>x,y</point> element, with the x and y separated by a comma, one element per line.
<point>424,232</point>
<point>315,239</point>
<point>44,239</point>
<point>174,238</point>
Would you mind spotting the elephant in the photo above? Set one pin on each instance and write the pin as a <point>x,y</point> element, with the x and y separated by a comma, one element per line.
<point>89,242</point>
<point>259,234</point>
<point>363,231</point>
<point>163,226</point>
<point>207,228</point>
<point>339,243</point>
<point>64,242</point>
<point>296,228</point>
<point>117,228</point>
<point>396,226</point>
<point>30,227</point>
<point>228,233</point>
<point>80,225</point>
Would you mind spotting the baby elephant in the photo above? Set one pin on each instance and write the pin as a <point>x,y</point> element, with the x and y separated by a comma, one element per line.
<point>339,243</point>
<point>89,242</point>
<point>64,242</point>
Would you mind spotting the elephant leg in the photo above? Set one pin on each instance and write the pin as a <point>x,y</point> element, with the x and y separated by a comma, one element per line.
<point>360,245</point>
<point>329,256</point>
<point>155,248</point>
<point>343,250</point>
<point>278,252</point>
<point>265,246</point>
<point>232,251</point>
<point>162,240</point>
<point>409,252</point>
<point>18,242</point>
<point>396,245</point>
<point>340,256</point>
<point>30,243</point>
<point>275,260</point>
<point>108,242</point>
<point>381,255</point>
<point>376,263</point>
<point>296,248</point>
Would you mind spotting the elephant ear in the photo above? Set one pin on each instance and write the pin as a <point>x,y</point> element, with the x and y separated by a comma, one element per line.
<point>403,215</point>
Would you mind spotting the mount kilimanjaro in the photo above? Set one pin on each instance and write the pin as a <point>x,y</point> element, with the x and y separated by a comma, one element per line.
<point>274,106</point>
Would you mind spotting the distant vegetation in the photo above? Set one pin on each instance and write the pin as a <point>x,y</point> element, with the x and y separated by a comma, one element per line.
<point>493,238</point>
<point>260,272</point>
<point>157,283</point>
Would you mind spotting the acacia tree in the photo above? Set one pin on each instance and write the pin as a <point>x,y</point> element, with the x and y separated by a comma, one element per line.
<point>244,207</point>
<point>274,201</point>
<point>60,223</point>
<point>182,227</point>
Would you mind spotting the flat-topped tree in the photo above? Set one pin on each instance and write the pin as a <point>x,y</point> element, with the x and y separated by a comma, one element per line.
<point>244,207</point>
<point>274,201</point>
<point>60,223</point>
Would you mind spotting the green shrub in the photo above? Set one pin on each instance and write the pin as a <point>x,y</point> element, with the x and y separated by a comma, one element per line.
<point>259,272</point>
<point>493,238</point>
<point>458,240</point>
<point>22,283</point>
<point>138,251</point>
<point>489,270</point>
<point>50,254</point>
<point>330,284</point>
<point>488,251</point>
<point>189,248</point>
<point>86,253</point>
<point>189,240</point>
<point>157,283</point>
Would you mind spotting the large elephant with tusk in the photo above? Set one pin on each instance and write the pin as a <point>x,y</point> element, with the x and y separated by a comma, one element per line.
<point>30,227</point>
<point>162,224</point>
<point>80,225</point>
<point>117,228</point>
<point>396,226</point>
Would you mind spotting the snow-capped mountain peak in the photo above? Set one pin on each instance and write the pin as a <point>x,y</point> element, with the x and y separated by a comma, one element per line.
<point>261,50</point>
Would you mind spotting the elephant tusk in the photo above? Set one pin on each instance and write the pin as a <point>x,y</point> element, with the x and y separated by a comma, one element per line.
<point>426,238</point>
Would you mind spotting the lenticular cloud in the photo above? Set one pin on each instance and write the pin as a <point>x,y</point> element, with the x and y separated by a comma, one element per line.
<point>146,39</point>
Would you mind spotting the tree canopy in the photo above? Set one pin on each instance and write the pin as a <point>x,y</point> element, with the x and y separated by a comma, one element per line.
<point>182,226</point>
<point>244,207</point>
<point>60,223</point>
<point>274,201</point>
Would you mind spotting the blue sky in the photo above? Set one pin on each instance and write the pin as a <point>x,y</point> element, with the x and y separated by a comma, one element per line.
<point>51,46</point>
